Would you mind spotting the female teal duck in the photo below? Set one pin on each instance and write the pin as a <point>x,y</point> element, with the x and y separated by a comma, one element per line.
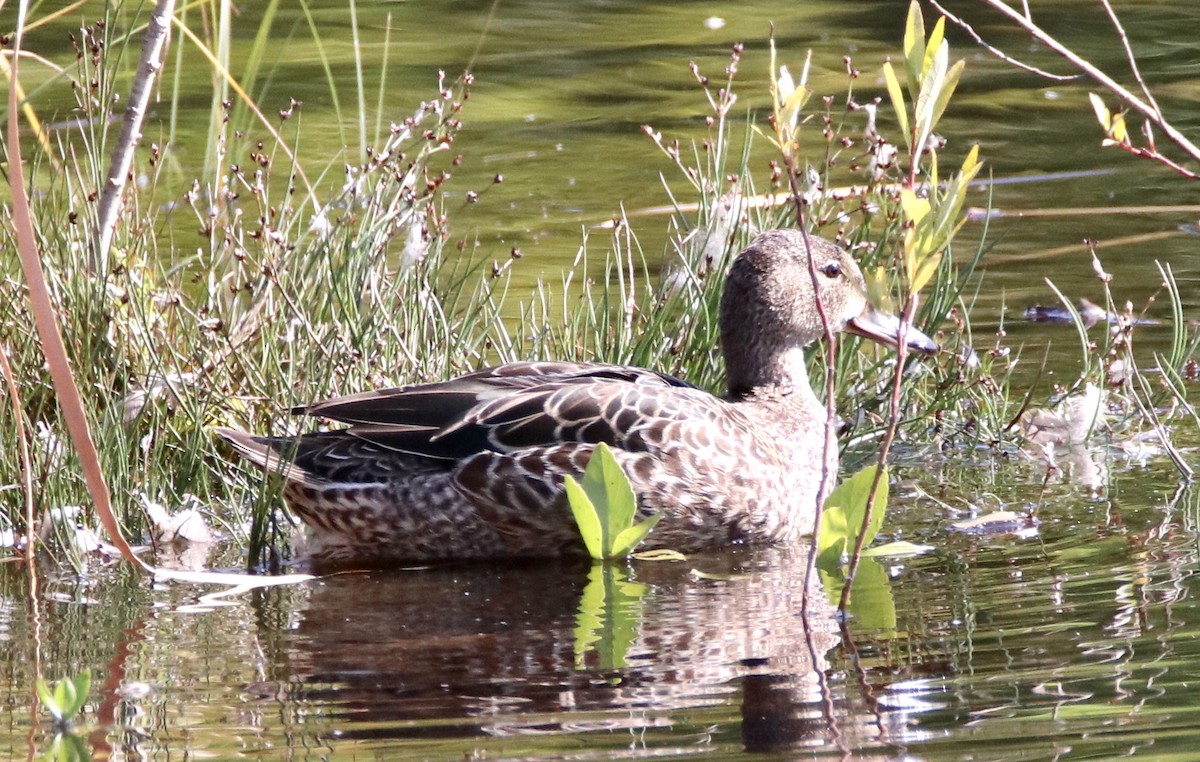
<point>472,468</point>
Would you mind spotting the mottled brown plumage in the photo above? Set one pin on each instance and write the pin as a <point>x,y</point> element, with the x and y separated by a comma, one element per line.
<point>472,467</point>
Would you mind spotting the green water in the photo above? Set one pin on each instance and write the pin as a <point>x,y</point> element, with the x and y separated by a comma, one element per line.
<point>1075,638</point>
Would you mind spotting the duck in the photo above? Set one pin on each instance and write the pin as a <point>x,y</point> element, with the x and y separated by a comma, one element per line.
<point>472,468</point>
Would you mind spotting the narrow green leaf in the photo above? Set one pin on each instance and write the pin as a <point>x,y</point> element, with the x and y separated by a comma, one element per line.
<point>914,47</point>
<point>660,554</point>
<point>1102,113</point>
<point>926,103</point>
<point>924,271</point>
<point>934,43</point>
<point>898,105</point>
<point>585,517</point>
<point>948,86</point>
<point>629,537</point>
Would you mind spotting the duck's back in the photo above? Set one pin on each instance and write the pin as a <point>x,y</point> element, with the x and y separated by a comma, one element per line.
<point>473,467</point>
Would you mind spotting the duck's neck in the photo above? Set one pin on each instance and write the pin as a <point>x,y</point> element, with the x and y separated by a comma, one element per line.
<point>781,378</point>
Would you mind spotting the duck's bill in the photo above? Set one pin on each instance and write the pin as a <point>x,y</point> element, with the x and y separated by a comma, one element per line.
<point>885,329</point>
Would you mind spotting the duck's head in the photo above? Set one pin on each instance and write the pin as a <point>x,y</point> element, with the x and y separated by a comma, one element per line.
<point>769,311</point>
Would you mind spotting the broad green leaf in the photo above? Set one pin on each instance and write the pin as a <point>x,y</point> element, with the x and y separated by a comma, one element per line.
<point>872,606</point>
<point>585,517</point>
<point>608,488</point>
<point>604,506</point>
<point>898,105</point>
<point>589,618</point>
<point>843,515</point>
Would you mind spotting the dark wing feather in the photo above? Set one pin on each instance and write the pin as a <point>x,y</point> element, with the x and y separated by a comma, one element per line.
<point>502,409</point>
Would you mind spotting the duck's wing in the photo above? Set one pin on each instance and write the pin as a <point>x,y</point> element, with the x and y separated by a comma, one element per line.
<point>504,409</point>
<point>667,440</point>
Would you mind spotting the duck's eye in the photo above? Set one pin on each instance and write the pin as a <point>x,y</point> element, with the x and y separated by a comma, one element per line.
<point>832,269</point>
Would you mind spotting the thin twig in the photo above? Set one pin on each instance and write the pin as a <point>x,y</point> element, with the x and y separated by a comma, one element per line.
<point>962,24</point>
<point>910,309</point>
<point>831,443</point>
<point>1026,22</point>
<point>109,206</point>
<point>1133,67</point>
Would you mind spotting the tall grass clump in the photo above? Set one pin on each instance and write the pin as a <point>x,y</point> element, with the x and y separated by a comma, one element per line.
<point>284,298</point>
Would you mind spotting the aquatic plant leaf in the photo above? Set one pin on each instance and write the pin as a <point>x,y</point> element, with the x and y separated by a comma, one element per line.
<point>64,697</point>
<point>585,517</point>
<point>604,506</point>
<point>67,747</point>
<point>81,685</point>
<point>609,489</point>
<point>843,516</point>
<point>630,537</point>
<point>872,605</point>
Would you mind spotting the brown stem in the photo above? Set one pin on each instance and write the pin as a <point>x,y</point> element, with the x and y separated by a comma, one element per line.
<point>46,322</point>
<point>910,307</point>
<point>824,488</point>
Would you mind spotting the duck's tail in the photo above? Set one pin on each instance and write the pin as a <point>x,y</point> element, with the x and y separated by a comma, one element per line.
<point>271,453</point>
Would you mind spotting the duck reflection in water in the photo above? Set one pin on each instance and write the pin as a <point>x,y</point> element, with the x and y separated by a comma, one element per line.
<point>458,659</point>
